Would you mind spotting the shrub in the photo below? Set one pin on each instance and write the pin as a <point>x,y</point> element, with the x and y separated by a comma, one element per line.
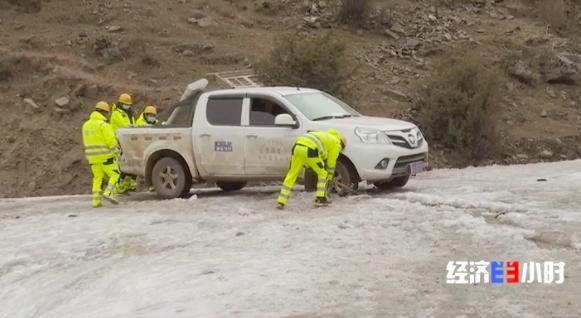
<point>319,62</point>
<point>353,12</point>
<point>5,73</point>
<point>520,65</point>
<point>457,109</point>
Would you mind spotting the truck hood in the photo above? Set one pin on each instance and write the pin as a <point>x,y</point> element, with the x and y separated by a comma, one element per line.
<point>370,122</point>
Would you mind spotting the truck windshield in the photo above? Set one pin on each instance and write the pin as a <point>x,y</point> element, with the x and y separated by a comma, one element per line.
<point>321,106</point>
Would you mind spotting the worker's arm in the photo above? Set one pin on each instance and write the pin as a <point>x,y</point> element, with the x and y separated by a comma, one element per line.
<point>116,121</point>
<point>332,156</point>
<point>109,135</point>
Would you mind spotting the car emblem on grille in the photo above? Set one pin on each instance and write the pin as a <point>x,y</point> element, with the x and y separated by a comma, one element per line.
<point>412,140</point>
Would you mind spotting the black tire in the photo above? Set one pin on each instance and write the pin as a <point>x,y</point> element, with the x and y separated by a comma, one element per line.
<point>398,182</point>
<point>346,180</point>
<point>310,180</point>
<point>170,178</point>
<point>229,186</point>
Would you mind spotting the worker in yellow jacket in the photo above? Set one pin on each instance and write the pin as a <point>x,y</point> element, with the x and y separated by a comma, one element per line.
<point>319,151</point>
<point>122,114</point>
<point>101,153</point>
<point>122,117</point>
<point>148,117</point>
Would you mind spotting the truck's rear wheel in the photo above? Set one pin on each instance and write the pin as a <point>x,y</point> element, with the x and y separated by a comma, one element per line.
<point>398,182</point>
<point>310,180</point>
<point>229,186</point>
<point>170,178</point>
<point>346,180</point>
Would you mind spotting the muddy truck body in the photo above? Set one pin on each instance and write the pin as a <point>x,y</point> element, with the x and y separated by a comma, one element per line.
<point>235,136</point>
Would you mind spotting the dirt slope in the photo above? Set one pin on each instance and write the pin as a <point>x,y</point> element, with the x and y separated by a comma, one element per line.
<point>78,52</point>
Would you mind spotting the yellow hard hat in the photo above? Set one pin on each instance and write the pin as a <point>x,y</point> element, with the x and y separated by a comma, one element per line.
<point>150,110</point>
<point>338,136</point>
<point>103,106</point>
<point>125,99</point>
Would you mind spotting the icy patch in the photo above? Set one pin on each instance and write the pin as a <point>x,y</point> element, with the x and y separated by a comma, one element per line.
<point>235,255</point>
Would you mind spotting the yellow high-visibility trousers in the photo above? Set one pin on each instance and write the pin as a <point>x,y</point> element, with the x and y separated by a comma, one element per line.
<point>300,158</point>
<point>99,172</point>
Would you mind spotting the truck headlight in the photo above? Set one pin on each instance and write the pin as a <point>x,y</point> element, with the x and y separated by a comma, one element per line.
<point>372,136</point>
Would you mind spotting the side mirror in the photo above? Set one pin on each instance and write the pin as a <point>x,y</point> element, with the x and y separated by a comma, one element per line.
<point>285,120</point>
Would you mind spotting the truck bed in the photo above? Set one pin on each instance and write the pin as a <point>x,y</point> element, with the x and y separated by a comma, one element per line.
<point>139,144</point>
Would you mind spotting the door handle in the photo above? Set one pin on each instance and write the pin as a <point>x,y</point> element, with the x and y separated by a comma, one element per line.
<point>252,136</point>
<point>205,135</point>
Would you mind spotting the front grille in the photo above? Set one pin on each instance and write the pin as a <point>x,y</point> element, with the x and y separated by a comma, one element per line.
<point>401,141</point>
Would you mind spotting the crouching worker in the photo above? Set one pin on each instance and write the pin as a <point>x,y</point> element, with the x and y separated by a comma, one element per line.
<point>319,151</point>
<point>148,117</point>
<point>101,153</point>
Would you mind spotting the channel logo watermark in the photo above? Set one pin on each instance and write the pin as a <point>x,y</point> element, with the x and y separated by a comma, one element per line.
<point>505,272</point>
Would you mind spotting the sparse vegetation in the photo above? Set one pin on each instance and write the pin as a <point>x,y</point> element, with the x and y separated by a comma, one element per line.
<point>319,62</point>
<point>353,12</point>
<point>458,108</point>
<point>28,6</point>
<point>149,60</point>
<point>5,73</point>
<point>520,66</point>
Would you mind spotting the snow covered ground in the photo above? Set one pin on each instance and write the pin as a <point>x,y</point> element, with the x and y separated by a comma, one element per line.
<point>234,255</point>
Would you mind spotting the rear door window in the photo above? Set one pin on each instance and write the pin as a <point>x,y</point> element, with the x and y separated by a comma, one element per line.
<point>224,111</point>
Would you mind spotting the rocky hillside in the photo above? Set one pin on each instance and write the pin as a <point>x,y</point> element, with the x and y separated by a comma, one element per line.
<point>57,58</point>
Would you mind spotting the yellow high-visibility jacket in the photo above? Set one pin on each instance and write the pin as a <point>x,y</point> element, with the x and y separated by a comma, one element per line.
<point>99,140</point>
<point>120,119</point>
<point>142,122</point>
<point>329,147</point>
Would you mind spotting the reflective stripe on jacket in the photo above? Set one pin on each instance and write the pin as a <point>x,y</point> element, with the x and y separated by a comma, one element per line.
<point>99,140</point>
<point>333,147</point>
<point>329,146</point>
<point>311,141</point>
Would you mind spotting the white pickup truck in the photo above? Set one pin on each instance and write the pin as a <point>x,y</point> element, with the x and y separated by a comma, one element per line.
<point>238,135</point>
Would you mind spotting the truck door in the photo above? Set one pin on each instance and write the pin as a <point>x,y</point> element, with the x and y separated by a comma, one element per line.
<point>268,148</point>
<point>220,139</point>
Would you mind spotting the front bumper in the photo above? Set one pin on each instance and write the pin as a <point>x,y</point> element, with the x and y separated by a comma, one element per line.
<point>366,157</point>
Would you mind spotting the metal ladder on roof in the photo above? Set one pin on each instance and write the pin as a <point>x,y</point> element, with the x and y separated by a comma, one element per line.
<point>237,79</point>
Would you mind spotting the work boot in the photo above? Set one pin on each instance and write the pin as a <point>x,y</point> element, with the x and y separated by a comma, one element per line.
<point>280,206</point>
<point>132,185</point>
<point>121,188</point>
<point>322,201</point>
<point>111,198</point>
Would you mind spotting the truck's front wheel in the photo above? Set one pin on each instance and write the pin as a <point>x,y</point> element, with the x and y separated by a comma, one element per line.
<point>170,178</point>
<point>346,180</point>
<point>398,182</point>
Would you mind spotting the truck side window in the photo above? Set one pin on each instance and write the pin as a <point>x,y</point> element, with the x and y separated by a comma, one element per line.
<point>263,112</point>
<point>224,111</point>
